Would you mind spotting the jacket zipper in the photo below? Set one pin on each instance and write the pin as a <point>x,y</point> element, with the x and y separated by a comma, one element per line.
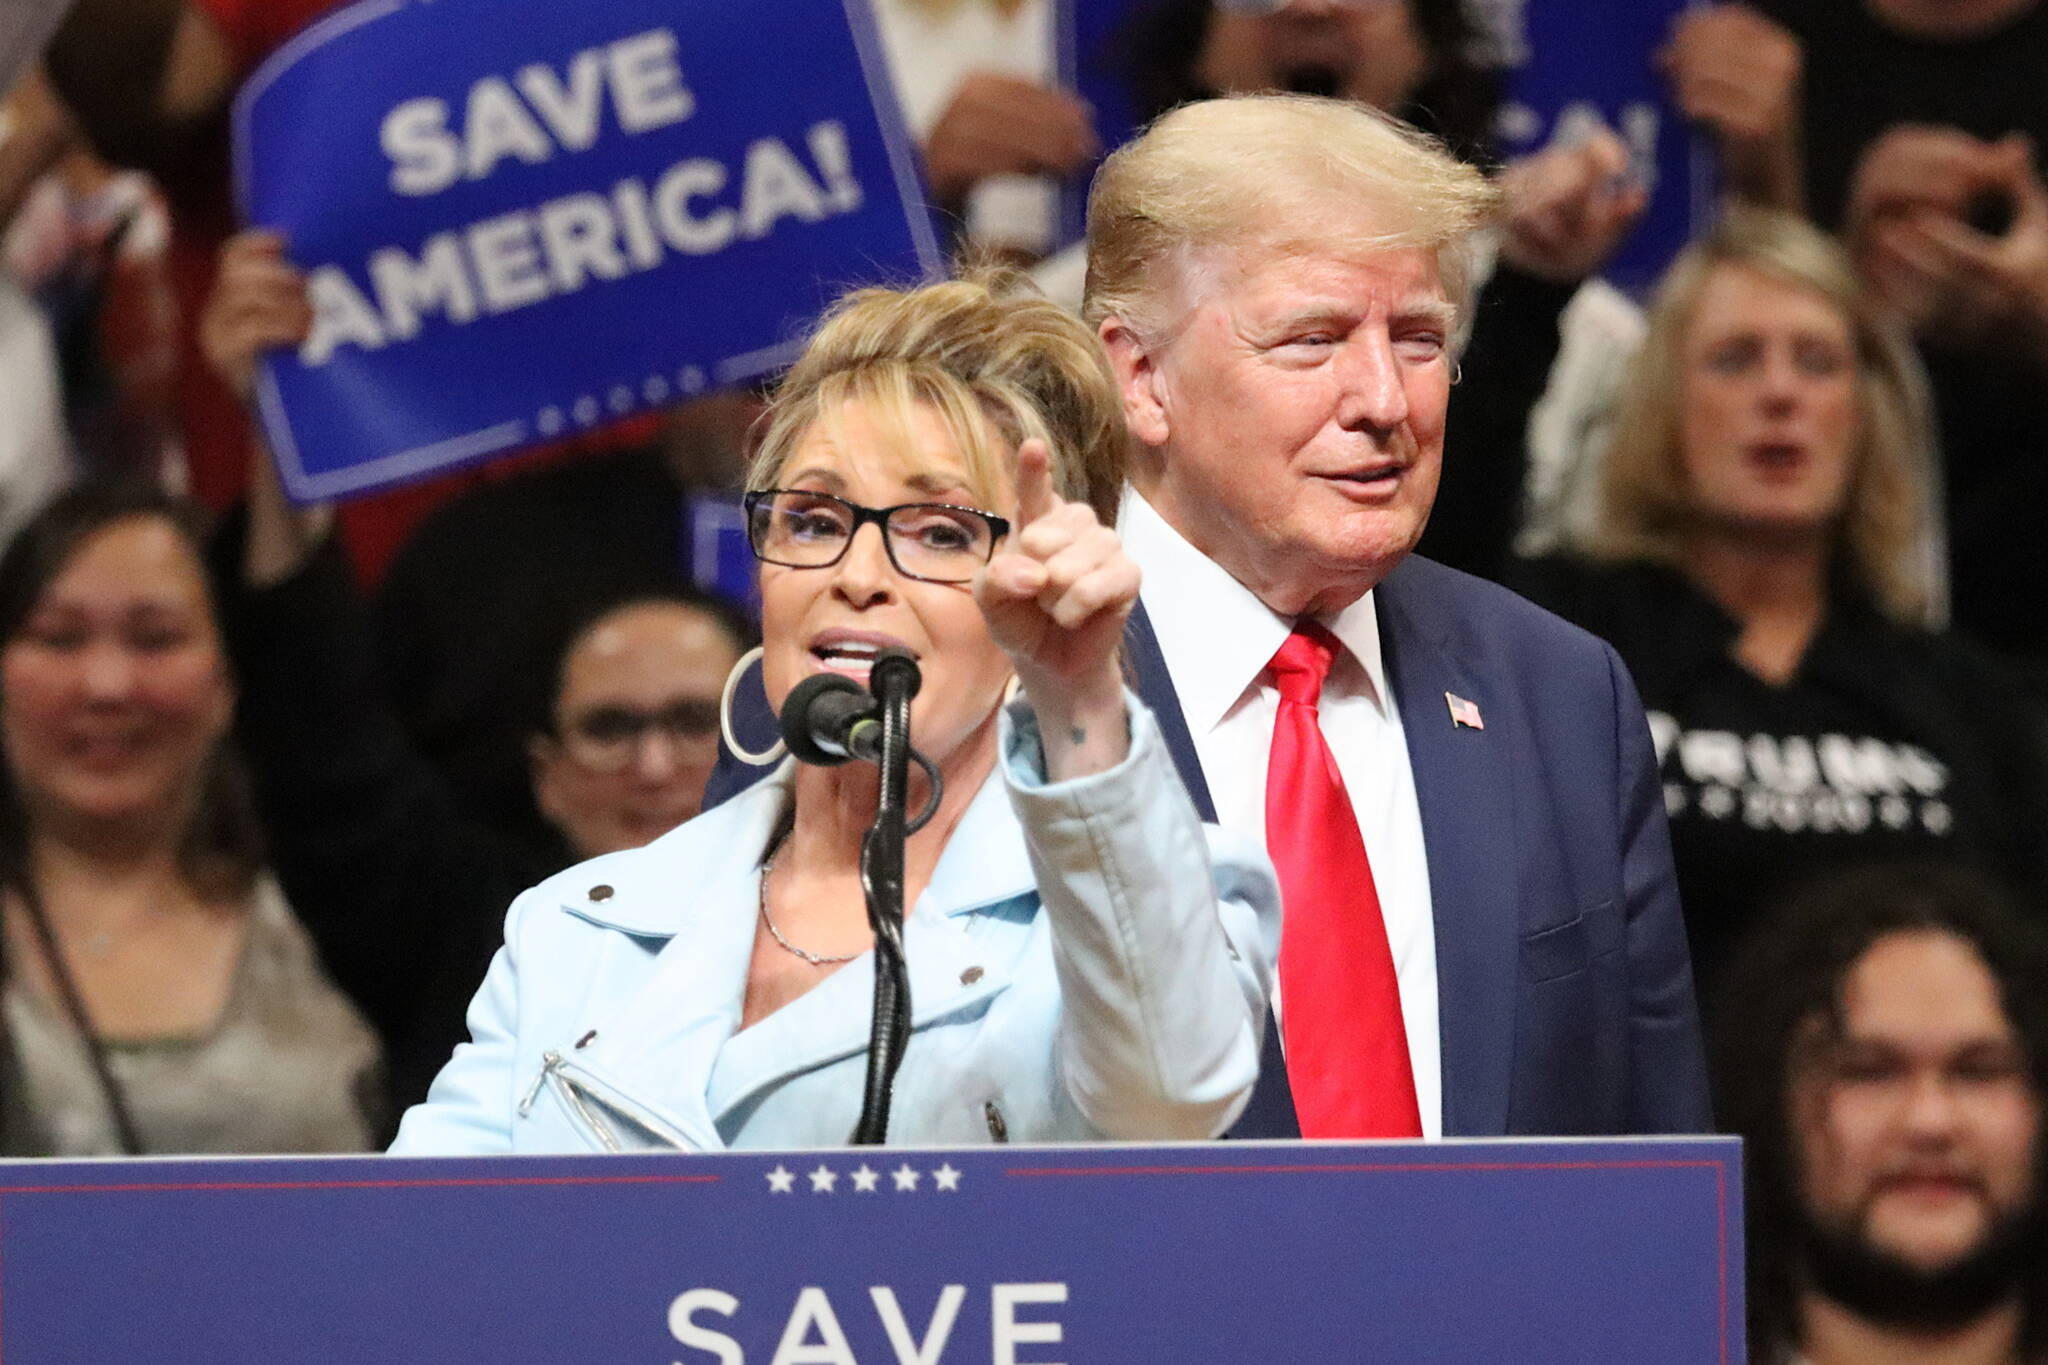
<point>562,1076</point>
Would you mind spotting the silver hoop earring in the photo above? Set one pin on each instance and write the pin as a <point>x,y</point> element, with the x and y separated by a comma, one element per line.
<point>767,756</point>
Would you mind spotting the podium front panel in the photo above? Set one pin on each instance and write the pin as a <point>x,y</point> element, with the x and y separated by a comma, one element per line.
<point>1194,1254</point>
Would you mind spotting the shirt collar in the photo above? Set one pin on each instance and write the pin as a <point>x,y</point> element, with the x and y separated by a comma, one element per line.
<point>1215,635</point>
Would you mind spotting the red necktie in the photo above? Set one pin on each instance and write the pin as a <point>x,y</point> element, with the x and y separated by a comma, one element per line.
<point>1340,1006</point>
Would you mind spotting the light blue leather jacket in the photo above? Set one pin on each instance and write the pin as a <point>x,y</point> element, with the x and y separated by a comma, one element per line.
<point>1088,961</point>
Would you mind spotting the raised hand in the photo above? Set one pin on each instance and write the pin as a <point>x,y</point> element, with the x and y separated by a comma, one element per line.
<point>258,303</point>
<point>1738,74</point>
<point>1569,208</point>
<point>1950,280</point>
<point>997,125</point>
<point>1056,599</point>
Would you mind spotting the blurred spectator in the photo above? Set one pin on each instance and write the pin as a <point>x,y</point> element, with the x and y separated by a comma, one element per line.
<point>401,879</point>
<point>476,605</point>
<point>977,81</point>
<point>159,994</point>
<point>1917,127</point>
<point>1756,564</point>
<point>89,243</point>
<point>35,455</point>
<point>1883,1052</point>
<point>1568,207</point>
<point>1408,57</point>
<point>476,601</point>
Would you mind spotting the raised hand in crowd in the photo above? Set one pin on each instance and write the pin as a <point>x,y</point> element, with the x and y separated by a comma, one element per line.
<point>1569,208</point>
<point>1005,125</point>
<point>1952,233</point>
<point>1056,600</point>
<point>259,303</point>
<point>1737,73</point>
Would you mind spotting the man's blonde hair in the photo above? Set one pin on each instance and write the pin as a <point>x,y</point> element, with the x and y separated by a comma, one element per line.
<point>1283,174</point>
<point>998,364</point>
<point>1646,505</point>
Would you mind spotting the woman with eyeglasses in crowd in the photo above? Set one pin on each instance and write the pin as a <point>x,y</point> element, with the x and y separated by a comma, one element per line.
<point>1085,960</point>
<point>401,880</point>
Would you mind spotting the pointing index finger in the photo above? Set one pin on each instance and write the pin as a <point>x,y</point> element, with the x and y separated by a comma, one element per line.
<point>1035,494</point>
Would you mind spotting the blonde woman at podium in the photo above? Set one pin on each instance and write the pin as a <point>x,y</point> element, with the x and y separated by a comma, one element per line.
<point>1085,959</point>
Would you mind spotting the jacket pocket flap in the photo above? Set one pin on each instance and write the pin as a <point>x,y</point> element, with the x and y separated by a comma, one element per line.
<point>1565,948</point>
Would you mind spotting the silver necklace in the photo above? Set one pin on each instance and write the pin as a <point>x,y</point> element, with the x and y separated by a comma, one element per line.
<point>815,959</point>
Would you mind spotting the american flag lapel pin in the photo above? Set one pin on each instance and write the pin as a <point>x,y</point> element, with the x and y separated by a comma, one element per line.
<point>1464,712</point>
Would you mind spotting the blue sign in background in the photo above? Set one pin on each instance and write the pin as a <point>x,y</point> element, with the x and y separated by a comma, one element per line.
<point>1311,1254</point>
<point>1585,59</point>
<point>312,163</point>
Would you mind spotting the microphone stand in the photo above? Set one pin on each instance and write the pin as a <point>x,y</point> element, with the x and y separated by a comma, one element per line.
<point>894,680</point>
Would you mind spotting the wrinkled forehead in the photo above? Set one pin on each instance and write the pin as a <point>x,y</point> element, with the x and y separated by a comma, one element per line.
<point>1287,273</point>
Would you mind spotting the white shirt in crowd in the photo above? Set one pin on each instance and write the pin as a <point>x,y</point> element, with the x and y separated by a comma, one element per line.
<point>932,48</point>
<point>1217,639</point>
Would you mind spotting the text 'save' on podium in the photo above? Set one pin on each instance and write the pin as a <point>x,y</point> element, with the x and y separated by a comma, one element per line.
<point>1196,1254</point>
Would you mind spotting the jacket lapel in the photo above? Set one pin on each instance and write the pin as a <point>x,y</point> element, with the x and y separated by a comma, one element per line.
<point>697,890</point>
<point>985,863</point>
<point>1463,786</point>
<point>1154,686</point>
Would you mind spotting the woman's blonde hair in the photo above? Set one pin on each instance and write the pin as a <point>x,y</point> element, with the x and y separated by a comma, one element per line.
<point>996,361</point>
<point>1646,506</point>
<point>1281,174</point>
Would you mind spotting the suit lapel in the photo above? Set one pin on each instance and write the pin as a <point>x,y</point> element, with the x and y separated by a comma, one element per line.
<point>1463,786</point>
<point>1154,686</point>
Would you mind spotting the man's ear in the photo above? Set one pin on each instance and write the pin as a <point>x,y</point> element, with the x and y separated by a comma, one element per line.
<point>1138,379</point>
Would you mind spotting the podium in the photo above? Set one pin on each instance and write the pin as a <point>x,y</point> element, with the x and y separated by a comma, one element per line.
<point>1505,1252</point>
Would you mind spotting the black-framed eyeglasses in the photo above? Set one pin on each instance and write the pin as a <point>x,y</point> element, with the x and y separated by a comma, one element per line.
<point>933,541</point>
<point>607,739</point>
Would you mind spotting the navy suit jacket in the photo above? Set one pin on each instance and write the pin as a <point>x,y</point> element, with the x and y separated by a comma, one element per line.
<point>1565,992</point>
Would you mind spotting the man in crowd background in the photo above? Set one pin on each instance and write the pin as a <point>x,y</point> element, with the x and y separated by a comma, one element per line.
<point>1883,1050</point>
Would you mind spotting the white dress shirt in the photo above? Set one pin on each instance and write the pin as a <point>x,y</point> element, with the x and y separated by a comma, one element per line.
<point>1217,639</point>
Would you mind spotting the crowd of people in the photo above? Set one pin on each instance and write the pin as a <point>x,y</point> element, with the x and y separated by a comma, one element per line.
<point>273,773</point>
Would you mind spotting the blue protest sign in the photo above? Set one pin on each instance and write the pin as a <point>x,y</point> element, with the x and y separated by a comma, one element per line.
<point>525,217</point>
<point>1579,64</point>
<point>1312,1254</point>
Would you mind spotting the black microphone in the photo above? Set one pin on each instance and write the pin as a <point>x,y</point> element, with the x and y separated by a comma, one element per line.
<point>895,675</point>
<point>829,719</point>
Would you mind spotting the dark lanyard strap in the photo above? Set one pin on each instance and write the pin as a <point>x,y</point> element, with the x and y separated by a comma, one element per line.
<point>74,1005</point>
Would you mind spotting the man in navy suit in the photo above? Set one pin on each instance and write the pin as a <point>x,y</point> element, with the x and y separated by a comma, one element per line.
<point>1278,282</point>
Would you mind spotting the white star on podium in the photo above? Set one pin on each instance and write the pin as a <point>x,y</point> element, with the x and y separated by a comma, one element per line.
<point>864,1178</point>
<point>780,1180</point>
<point>823,1179</point>
<point>905,1178</point>
<point>947,1179</point>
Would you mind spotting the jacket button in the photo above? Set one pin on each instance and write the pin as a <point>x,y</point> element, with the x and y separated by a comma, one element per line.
<point>586,1040</point>
<point>600,893</point>
<point>997,1127</point>
<point>970,976</point>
